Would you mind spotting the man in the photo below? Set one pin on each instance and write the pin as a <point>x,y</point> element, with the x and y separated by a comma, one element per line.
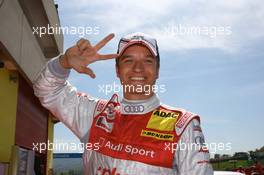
<point>136,135</point>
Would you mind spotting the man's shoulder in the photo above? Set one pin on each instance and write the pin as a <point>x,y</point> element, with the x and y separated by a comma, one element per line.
<point>173,109</point>
<point>184,117</point>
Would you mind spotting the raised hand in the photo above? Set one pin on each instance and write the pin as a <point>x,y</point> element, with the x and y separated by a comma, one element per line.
<point>83,53</point>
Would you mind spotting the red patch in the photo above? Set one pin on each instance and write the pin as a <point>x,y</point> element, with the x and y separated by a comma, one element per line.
<point>100,105</point>
<point>202,161</point>
<point>183,120</point>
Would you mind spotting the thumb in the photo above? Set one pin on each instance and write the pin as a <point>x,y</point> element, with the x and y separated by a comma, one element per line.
<point>88,71</point>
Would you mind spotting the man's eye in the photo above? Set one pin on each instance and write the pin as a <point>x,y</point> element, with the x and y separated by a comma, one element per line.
<point>149,61</point>
<point>127,61</point>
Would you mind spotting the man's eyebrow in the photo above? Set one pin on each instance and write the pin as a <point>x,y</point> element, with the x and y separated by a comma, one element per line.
<point>130,56</point>
<point>125,56</point>
<point>150,56</point>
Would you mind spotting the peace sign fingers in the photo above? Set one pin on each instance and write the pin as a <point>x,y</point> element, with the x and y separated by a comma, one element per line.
<point>104,41</point>
<point>106,56</point>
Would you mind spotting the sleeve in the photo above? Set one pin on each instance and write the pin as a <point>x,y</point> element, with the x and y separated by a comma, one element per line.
<point>191,155</point>
<point>61,98</point>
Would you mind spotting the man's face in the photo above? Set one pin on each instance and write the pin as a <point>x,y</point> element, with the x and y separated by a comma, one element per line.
<point>137,67</point>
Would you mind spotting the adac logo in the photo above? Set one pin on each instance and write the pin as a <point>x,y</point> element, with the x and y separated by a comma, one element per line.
<point>163,120</point>
<point>166,114</point>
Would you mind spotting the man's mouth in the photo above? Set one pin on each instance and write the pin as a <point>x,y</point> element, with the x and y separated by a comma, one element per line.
<point>137,78</point>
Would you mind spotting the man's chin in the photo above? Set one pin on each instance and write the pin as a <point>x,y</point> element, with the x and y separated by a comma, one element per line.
<point>137,89</point>
<point>134,83</point>
<point>138,95</point>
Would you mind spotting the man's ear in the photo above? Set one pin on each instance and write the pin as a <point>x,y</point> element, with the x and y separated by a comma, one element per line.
<point>117,71</point>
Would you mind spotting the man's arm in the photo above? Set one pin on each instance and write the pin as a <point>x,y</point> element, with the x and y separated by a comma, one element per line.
<point>55,92</point>
<point>194,158</point>
<point>61,98</point>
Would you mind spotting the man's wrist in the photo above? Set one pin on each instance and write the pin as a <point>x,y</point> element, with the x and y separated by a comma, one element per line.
<point>57,69</point>
<point>64,62</point>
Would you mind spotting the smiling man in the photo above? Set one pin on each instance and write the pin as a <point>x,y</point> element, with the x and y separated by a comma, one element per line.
<point>137,67</point>
<point>137,135</point>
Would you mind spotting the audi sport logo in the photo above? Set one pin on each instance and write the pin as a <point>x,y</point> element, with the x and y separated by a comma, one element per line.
<point>134,108</point>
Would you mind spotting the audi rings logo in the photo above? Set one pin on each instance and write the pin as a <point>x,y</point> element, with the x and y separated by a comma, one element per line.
<point>134,108</point>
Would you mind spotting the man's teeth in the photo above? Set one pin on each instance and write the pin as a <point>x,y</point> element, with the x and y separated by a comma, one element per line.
<point>137,78</point>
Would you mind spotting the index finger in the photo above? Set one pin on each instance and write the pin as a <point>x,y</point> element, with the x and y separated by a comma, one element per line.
<point>103,42</point>
<point>107,56</point>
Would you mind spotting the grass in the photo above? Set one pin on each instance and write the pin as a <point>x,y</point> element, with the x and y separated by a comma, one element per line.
<point>226,165</point>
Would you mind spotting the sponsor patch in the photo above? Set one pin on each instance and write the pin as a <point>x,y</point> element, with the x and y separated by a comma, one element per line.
<point>106,118</point>
<point>157,135</point>
<point>183,120</point>
<point>102,123</point>
<point>163,120</point>
<point>100,105</point>
<point>133,108</point>
<point>199,140</point>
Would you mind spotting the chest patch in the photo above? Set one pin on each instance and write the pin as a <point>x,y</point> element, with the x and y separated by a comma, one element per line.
<point>163,120</point>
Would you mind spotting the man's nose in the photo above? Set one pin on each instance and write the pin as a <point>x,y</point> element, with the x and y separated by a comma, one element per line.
<point>138,66</point>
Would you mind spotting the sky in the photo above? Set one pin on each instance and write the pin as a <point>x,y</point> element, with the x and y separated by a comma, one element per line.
<point>212,60</point>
